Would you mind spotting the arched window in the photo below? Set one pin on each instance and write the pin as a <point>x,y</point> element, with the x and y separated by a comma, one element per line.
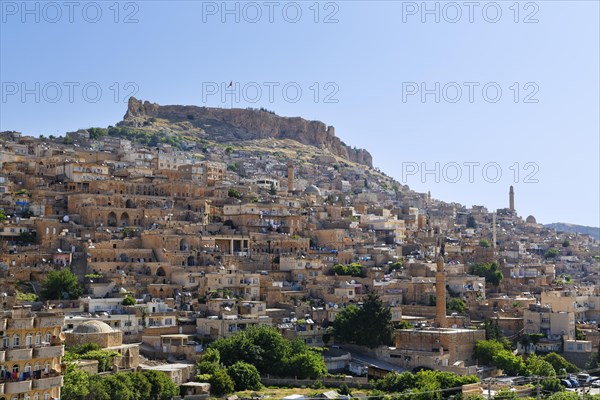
<point>16,340</point>
<point>27,397</point>
<point>15,368</point>
<point>38,338</point>
<point>28,340</point>
<point>36,396</point>
<point>36,367</point>
<point>5,341</point>
<point>46,396</point>
<point>48,336</point>
<point>27,368</point>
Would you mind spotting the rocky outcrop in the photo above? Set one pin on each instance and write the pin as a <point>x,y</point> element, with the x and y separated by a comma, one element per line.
<point>226,125</point>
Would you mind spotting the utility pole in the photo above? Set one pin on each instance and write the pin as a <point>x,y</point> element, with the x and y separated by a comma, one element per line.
<point>537,388</point>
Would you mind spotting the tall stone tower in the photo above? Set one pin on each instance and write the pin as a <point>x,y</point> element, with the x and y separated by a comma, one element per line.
<point>290,177</point>
<point>494,230</point>
<point>511,199</point>
<point>440,292</point>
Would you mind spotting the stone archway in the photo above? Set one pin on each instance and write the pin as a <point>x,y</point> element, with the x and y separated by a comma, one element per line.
<point>124,219</point>
<point>111,219</point>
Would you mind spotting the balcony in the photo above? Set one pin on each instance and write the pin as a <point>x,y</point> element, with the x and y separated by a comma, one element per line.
<point>17,387</point>
<point>1,388</point>
<point>2,356</point>
<point>18,355</point>
<point>47,383</point>
<point>49,352</point>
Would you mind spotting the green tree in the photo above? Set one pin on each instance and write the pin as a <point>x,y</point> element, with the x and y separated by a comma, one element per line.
<point>307,364</point>
<point>234,193</point>
<point>566,243</point>
<point>539,367</point>
<point>369,325</point>
<point>551,253</point>
<point>559,363</point>
<point>75,383</point>
<point>505,394</point>
<point>489,271</point>
<point>162,387</point>
<point>2,215</point>
<point>396,382</point>
<point>245,376</point>
<point>61,284</point>
<point>509,363</point>
<point>221,383</point>
<point>98,389</point>
<point>119,388</point>
<point>551,385</point>
<point>564,396</point>
<point>140,384</point>
<point>129,301</point>
<point>458,305</point>
<point>484,243</point>
<point>486,349</point>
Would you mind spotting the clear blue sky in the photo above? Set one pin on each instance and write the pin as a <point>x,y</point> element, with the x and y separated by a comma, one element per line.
<point>374,58</point>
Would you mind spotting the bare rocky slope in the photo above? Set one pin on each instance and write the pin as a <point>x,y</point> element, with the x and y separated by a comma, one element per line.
<point>230,125</point>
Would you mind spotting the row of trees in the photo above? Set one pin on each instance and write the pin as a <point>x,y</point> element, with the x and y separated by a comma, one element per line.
<point>236,362</point>
<point>354,269</point>
<point>499,354</point>
<point>425,385</point>
<point>147,385</point>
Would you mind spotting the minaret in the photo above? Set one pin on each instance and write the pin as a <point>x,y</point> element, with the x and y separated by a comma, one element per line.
<point>440,291</point>
<point>493,230</point>
<point>290,176</point>
<point>511,199</point>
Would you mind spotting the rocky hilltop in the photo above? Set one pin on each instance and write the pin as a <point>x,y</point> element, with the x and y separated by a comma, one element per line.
<point>230,125</point>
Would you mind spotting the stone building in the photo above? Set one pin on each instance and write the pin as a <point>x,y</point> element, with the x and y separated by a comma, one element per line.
<point>94,332</point>
<point>30,357</point>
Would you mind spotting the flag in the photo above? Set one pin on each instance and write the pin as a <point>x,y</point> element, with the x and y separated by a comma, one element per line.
<point>230,84</point>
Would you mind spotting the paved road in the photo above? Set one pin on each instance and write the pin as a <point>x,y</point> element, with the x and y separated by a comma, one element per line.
<point>378,363</point>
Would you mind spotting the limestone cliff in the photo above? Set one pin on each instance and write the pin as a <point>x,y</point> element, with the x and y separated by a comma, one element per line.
<point>225,125</point>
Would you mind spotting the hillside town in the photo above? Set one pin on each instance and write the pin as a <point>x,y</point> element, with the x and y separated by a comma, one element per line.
<point>171,244</point>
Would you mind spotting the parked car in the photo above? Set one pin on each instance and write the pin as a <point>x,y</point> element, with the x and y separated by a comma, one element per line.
<point>596,383</point>
<point>574,381</point>
<point>566,383</point>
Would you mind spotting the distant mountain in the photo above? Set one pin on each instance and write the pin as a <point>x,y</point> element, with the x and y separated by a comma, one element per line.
<point>585,230</point>
<point>238,125</point>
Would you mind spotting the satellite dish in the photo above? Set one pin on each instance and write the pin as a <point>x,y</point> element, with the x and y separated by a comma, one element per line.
<point>66,218</point>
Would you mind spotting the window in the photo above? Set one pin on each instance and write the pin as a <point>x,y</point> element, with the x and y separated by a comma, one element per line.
<point>38,338</point>
<point>48,336</point>
<point>29,340</point>
<point>46,396</point>
<point>27,367</point>
<point>36,396</point>
<point>5,341</point>
<point>16,340</point>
